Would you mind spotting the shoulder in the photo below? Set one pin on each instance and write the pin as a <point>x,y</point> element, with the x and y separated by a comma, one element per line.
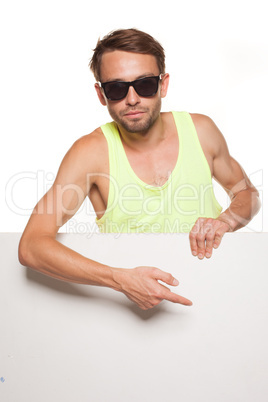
<point>89,142</point>
<point>210,137</point>
<point>88,154</point>
<point>204,124</point>
<point>89,148</point>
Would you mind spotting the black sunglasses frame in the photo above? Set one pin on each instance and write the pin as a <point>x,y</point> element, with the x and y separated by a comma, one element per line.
<point>128,84</point>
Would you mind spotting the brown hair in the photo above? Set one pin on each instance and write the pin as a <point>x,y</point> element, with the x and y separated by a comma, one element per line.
<point>129,40</point>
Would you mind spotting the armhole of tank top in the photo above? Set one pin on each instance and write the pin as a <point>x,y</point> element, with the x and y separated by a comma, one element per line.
<point>107,131</point>
<point>196,139</point>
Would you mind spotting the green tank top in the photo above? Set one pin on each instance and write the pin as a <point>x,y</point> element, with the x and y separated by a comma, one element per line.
<point>137,207</point>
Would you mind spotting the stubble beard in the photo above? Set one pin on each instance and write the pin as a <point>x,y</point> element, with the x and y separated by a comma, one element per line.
<point>139,125</point>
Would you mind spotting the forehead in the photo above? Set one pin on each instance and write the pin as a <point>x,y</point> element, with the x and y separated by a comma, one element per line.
<point>127,66</point>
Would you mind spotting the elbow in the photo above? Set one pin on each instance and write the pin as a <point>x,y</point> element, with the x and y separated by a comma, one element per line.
<point>256,201</point>
<point>24,252</point>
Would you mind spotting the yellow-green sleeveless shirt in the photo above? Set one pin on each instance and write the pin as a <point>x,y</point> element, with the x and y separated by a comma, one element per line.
<point>137,207</point>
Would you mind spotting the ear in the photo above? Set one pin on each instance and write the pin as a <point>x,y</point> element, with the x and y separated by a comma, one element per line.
<point>100,94</point>
<point>164,85</point>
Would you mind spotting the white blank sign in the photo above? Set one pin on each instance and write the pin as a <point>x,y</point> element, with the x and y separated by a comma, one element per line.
<point>67,342</point>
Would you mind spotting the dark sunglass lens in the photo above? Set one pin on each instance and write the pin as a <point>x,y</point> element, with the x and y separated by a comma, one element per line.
<point>115,90</point>
<point>147,86</point>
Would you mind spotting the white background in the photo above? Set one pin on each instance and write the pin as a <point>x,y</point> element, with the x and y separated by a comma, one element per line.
<point>216,54</point>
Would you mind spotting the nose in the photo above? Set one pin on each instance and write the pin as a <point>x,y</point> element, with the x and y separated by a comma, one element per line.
<point>132,97</point>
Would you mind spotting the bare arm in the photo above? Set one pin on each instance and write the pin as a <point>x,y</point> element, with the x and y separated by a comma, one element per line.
<point>40,250</point>
<point>207,233</point>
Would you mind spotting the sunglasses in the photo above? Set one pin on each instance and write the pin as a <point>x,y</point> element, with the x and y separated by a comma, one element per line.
<point>117,90</point>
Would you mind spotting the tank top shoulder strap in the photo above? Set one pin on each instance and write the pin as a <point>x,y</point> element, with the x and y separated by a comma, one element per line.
<point>185,127</point>
<point>112,136</point>
<point>189,141</point>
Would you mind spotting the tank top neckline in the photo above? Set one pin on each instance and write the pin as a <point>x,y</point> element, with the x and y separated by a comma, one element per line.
<point>136,177</point>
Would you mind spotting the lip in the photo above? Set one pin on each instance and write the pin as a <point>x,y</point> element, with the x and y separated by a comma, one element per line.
<point>135,113</point>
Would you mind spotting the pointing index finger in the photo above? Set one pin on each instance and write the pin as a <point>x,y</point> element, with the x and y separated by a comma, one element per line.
<point>174,298</point>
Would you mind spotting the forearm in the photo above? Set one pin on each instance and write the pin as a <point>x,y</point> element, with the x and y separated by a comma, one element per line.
<point>46,255</point>
<point>244,206</point>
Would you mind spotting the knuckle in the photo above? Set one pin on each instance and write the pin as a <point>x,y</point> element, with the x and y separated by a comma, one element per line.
<point>210,236</point>
<point>157,294</point>
<point>146,305</point>
<point>209,224</point>
<point>155,270</point>
<point>218,235</point>
<point>169,278</point>
<point>143,307</point>
<point>192,235</point>
<point>156,302</point>
<point>200,237</point>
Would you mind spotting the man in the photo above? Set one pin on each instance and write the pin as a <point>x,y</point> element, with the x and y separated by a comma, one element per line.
<point>145,172</point>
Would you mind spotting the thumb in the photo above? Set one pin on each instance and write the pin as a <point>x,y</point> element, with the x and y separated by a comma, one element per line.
<point>166,277</point>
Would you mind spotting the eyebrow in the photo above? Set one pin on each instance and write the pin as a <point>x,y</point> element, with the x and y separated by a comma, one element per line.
<point>137,78</point>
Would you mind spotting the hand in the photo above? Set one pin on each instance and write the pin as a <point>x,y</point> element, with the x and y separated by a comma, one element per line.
<point>142,287</point>
<point>206,235</point>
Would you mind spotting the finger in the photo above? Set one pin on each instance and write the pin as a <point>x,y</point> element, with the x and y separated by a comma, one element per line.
<point>163,292</point>
<point>205,234</point>
<point>210,239</point>
<point>193,236</point>
<point>166,294</point>
<point>165,277</point>
<point>209,246</point>
<point>218,237</point>
<point>174,298</point>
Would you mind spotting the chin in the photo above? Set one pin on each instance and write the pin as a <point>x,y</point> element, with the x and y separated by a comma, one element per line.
<point>137,127</point>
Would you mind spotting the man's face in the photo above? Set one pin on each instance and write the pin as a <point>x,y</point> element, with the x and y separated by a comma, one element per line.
<point>134,113</point>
